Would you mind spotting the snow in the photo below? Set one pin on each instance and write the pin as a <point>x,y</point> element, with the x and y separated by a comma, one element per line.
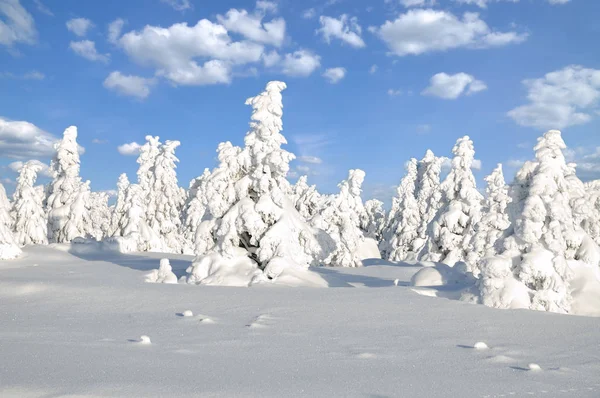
<point>76,318</point>
<point>164,274</point>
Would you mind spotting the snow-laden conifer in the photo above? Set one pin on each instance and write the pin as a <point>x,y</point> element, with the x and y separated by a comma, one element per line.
<point>31,225</point>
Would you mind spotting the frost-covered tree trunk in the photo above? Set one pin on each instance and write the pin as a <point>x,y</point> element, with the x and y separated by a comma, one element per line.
<point>546,235</point>
<point>31,225</point>
<point>404,228</point>
<point>341,219</point>
<point>168,201</point>
<point>429,196</point>
<point>256,232</point>
<point>119,209</point>
<point>494,222</point>
<point>452,229</point>
<point>63,191</point>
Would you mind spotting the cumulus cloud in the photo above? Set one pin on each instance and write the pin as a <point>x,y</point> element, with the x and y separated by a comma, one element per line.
<point>447,86</point>
<point>134,86</point>
<point>79,26</point>
<point>334,75</point>
<point>130,149</point>
<point>484,3</point>
<point>344,28</point>
<point>24,140</point>
<point>560,99</point>
<point>178,5</point>
<point>420,31</point>
<point>417,3</point>
<point>252,27</point>
<point>300,63</point>
<point>114,30</point>
<point>17,25</point>
<point>309,13</point>
<point>87,50</point>
<point>44,168</point>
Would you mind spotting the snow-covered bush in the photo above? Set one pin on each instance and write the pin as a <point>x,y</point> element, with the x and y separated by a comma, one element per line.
<point>30,223</point>
<point>164,274</point>
<point>249,215</point>
<point>452,229</point>
<point>494,221</point>
<point>67,219</point>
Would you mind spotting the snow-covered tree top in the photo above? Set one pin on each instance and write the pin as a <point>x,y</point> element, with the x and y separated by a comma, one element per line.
<point>550,147</point>
<point>464,153</point>
<point>123,182</point>
<point>28,173</point>
<point>354,183</point>
<point>66,159</point>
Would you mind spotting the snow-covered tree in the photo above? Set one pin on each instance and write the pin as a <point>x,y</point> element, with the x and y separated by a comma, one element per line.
<point>403,228</point>
<point>428,194</point>
<point>494,221</point>
<point>5,209</point>
<point>168,200</point>
<point>257,232</point>
<point>306,198</point>
<point>79,223</point>
<point>452,229</point>
<point>9,249</point>
<point>341,219</point>
<point>145,174</point>
<point>119,209</point>
<point>545,236</point>
<point>63,191</point>
<point>195,208</point>
<point>100,215</point>
<point>31,225</point>
<point>592,226</point>
<point>374,220</point>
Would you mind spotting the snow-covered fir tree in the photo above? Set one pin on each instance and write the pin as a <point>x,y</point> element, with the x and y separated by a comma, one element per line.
<point>260,235</point>
<point>453,228</point>
<point>145,174</point>
<point>307,200</point>
<point>100,215</point>
<point>5,209</point>
<point>403,228</point>
<point>374,219</point>
<point>63,224</point>
<point>592,226</point>
<point>533,271</point>
<point>9,249</point>
<point>31,225</point>
<point>194,210</point>
<point>341,219</point>
<point>494,221</point>
<point>119,209</point>
<point>168,200</point>
<point>428,194</point>
<point>79,223</point>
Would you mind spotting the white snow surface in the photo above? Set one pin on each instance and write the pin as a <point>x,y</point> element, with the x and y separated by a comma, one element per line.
<point>71,322</point>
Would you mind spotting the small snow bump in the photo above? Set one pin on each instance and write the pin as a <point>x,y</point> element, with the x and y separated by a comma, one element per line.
<point>534,367</point>
<point>145,340</point>
<point>207,320</point>
<point>480,345</point>
<point>396,281</point>
<point>187,313</point>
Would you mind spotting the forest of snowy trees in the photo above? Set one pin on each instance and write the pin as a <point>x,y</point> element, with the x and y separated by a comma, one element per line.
<point>245,223</point>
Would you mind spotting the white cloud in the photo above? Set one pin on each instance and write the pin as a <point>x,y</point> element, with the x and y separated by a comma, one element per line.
<point>476,164</point>
<point>394,93</point>
<point>44,168</point>
<point>447,86</point>
<point>99,141</point>
<point>373,69</point>
<point>345,29</point>
<point>271,59</point>
<point>417,3</point>
<point>309,14</point>
<point>130,149</point>
<point>419,31</point>
<point>251,26</point>
<point>17,25</point>
<point>79,26</point>
<point>178,5</point>
<point>42,8</point>
<point>87,50</point>
<point>300,63</point>
<point>32,75</point>
<point>303,169</point>
<point>334,75</point>
<point>114,30</point>
<point>562,98</point>
<point>20,139</point>
<point>266,6</point>
<point>483,3</point>
<point>310,159</point>
<point>558,1</point>
<point>134,86</point>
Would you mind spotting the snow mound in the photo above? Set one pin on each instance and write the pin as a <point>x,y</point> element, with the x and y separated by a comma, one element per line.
<point>585,289</point>
<point>215,269</point>
<point>9,251</point>
<point>480,345</point>
<point>164,274</point>
<point>187,313</point>
<point>145,340</point>
<point>438,275</point>
<point>534,367</point>
<point>291,275</point>
<point>368,249</point>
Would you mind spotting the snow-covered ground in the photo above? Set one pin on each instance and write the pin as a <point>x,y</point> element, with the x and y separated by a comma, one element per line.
<point>73,325</point>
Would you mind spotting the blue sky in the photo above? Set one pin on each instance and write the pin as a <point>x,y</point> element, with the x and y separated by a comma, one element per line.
<point>370,83</point>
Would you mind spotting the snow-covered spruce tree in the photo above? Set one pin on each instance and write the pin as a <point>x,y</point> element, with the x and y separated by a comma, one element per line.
<point>145,174</point>
<point>340,218</point>
<point>494,221</point>
<point>374,220</point>
<point>194,209</point>
<point>63,225</point>
<point>5,209</point>
<point>119,209</point>
<point>453,227</point>
<point>261,235</point>
<point>428,194</point>
<point>307,199</point>
<point>592,226</point>
<point>403,229</point>
<point>168,200</point>
<point>100,215</point>
<point>533,271</point>
<point>79,223</point>
<point>31,225</point>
